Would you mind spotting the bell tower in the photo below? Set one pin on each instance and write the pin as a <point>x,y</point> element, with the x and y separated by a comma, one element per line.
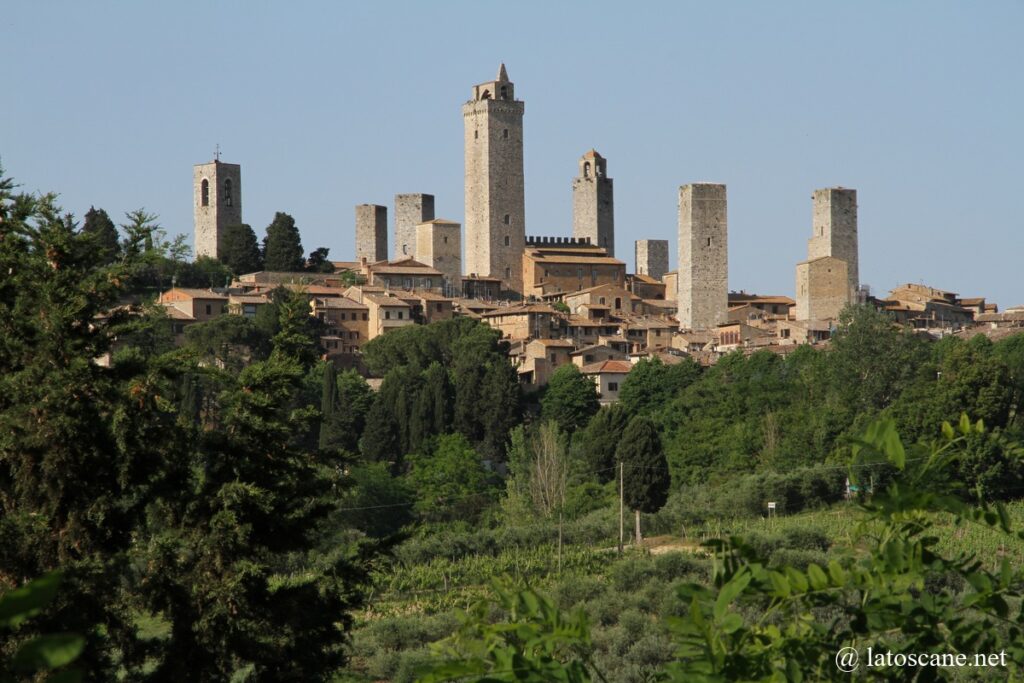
<point>217,202</point>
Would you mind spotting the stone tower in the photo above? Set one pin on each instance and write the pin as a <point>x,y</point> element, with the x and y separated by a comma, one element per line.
<point>410,211</point>
<point>217,198</point>
<point>703,297</point>
<point>439,245</point>
<point>371,232</point>
<point>495,197</point>
<point>652,258</point>
<point>835,230</point>
<point>593,209</point>
<point>828,280</point>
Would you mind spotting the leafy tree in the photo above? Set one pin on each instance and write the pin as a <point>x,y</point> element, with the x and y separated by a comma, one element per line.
<point>317,261</point>
<point>240,251</point>
<point>651,384</point>
<point>282,246</point>
<point>450,480</point>
<point>548,470</point>
<point>646,478</point>
<point>379,441</point>
<point>570,399</point>
<point>43,652</point>
<point>345,403</point>
<point>600,439</point>
<point>104,232</point>
<point>204,273</point>
<point>377,503</point>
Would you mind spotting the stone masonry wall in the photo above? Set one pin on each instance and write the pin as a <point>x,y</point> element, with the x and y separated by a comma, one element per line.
<point>372,232</point>
<point>439,245</point>
<point>209,221</point>
<point>593,211</point>
<point>703,297</point>
<point>410,211</point>
<point>834,226</point>
<point>652,258</point>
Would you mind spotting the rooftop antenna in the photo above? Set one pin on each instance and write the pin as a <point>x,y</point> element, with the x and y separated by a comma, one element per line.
<point>216,152</point>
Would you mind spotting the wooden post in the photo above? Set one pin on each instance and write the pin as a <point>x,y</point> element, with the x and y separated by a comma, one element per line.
<point>621,499</point>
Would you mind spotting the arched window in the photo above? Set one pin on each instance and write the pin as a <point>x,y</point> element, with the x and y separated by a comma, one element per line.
<point>507,219</point>
<point>508,241</point>
<point>227,192</point>
<point>586,169</point>
<point>504,133</point>
<point>204,193</point>
<point>504,92</point>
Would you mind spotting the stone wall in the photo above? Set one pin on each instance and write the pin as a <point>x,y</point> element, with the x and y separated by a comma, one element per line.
<point>821,288</point>
<point>223,208</point>
<point>593,205</point>
<point>834,226</point>
<point>703,297</point>
<point>371,232</point>
<point>410,211</point>
<point>652,258</point>
<point>439,245</point>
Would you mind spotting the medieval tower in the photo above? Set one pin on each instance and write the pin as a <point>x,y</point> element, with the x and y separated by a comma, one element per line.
<point>829,279</point>
<point>371,232</point>
<point>439,245</point>
<point>410,211</point>
<point>593,209</point>
<point>651,258</point>
<point>495,196</point>
<point>703,297</point>
<point>217,200</point>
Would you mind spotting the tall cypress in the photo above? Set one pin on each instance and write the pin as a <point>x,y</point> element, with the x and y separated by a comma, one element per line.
<point>282,247</point>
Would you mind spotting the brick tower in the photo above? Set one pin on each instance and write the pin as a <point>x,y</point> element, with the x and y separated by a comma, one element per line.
<point>495,196</point>
<point>593,209</point>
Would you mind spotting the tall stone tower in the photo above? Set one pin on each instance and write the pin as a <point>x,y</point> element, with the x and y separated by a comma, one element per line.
<point>652,258</point>
<point>495,196</point>
<point>439,245</point>
<point>593,209</point>
<point>829,279</point>
<point>217,200</point>
<point>703,298</point>
<point>371,232</point>
<point>410,211</point>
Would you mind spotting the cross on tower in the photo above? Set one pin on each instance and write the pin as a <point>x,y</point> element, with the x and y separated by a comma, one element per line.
<point>216,152</point>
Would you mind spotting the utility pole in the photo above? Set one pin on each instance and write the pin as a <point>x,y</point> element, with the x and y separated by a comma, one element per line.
<point>621,499</point>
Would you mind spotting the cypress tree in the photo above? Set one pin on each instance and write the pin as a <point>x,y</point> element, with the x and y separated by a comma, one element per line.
<point>646,477</point>
<point>328,407</point>
<point>99,226</point>
<point>240,251</point>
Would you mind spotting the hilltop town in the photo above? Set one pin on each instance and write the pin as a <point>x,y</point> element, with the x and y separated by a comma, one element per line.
<point>562,299</point>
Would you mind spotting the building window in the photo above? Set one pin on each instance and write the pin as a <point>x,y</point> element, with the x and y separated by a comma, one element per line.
<point>341,316</point>
<point>445,238</point>
<point>613,386</point>
<point>588,358</point>
<point>400,315</point>
<point>227,192</point>
<point>366,316</point>
<point>204,192</point>
<point>476,135</point>
<point>507,219</point>
<point>504,133</point>
<point>508,241</point>
<point>618,302</point>
<point>387,315</point>
<point>579,273</point>
<point>508,273</point>
<point>428,283</point>
<point>709,242</point>
<point>554,357</point>
<point>504,92</point>
<point>209,309</point>
<point>439,307</point>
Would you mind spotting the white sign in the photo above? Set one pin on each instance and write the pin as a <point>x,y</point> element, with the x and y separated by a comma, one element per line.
<point>771,506</point>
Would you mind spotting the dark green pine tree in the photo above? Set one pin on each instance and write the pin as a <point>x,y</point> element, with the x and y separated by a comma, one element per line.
<point>282,246</point>
<point>317,261</point>
<point>328,407</point>
<point>101,229</point>
<point>646,477</point>
<point>240,250</point>
<point>379,442</point>
<point>600,439</point>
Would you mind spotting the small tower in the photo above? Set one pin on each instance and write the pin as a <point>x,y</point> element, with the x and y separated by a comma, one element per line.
<point>410,211</point>
<point>439,245</point>
<point>703,298</point>
<point>652,258</point>
<point>495,194</point>
<point>828,280</point>
<point>217,202</point>
<point>371,232</point>
<point>593,209</point>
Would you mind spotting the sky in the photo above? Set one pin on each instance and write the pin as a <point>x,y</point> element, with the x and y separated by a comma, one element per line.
<point>326,105</point>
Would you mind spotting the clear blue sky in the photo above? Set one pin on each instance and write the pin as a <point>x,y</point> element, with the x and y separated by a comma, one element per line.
<point>917,105</point>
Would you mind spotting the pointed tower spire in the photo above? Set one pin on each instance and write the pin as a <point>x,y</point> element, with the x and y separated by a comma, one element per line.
<point>502,74</point>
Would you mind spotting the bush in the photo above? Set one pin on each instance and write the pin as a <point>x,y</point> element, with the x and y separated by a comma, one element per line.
<point>631,573</point>
<point>675,565</point>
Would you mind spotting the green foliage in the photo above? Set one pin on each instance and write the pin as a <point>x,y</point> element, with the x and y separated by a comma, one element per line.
<point>318,262</point>
<point>41,652</point>
<point>570,399</point>
<point>104,233</point>
<point>377,503</point>
<point>450,480</point>
<point>282,246</point>
<point>240,251</point>
<point>651,384</point>
<point>645,477</point>
<point>598,442</point>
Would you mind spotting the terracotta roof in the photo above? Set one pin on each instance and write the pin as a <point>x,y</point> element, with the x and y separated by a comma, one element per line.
<point>608,366</point>
<point>594,347</point>
<point>553,342</point>
<point>248,299</point>
<point>385,300</point>
<point>175,314</point>
<point>404,266</point>
<point>539,255</point>
<point>196,293</point>
<point>340,302</point>
<point>520,310</point>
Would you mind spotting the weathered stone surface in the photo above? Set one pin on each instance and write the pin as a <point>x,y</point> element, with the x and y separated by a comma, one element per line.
<point>593,205</point>
<point>652,258</point>
<point>829,278</point>
<point>372,232</point>
<point>439,245</point>
<point>703,256</point>
<point>410,211</point>
<point>217,206</point>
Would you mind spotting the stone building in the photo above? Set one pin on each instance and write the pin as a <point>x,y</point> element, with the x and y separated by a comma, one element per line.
<point>828,280</point>
<point>651,258</point>
<point>703,297</point>
<point>560,264</point>
<point>593,206</point>
<point>410,211</point>
<point>372,232</point>
<point>217,201</point>
<point>439,245</point>
<point>495,196</point>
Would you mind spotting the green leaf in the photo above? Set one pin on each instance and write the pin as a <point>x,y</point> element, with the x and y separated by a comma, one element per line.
<point>49,652</point>
<point>21,603</point>
<point>730,591</point>
<point>947,431</point>
<point>817,577</point>
<point>731,623</point>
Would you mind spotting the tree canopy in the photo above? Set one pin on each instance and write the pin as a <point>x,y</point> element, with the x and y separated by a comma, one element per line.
<point>282,246</point>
